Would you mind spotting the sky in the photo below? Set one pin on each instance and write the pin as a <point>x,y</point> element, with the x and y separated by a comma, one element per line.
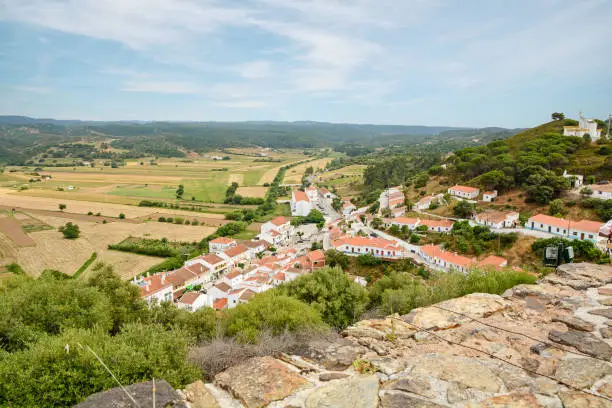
<point>507,63</point>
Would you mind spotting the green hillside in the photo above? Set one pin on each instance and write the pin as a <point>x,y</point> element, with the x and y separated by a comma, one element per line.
<point>534,161</point>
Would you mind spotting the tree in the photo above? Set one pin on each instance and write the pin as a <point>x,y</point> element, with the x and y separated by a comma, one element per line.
<point>338,299</point>
<point>70,231</point>
<point>558,116</point>
<point>463,209</point>
<point>586,191</point>
<point>62,207</point>
<point>180,191</point>
<point>556,207</point>
<point>334,257</point>
<point>590,179</point>
<point>376,223</point>
<point>121,216</point>
<point>587,138</point>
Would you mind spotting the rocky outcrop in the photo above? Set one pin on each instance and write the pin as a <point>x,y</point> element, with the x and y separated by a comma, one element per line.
<point>142,393</point>
<point>534,346</point>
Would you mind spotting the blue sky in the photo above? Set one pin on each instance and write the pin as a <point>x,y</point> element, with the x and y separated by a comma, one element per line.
<point>427,62</point>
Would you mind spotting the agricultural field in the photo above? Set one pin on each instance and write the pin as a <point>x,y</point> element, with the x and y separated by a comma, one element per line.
<point>204,179</point>
<point>294,175</point>
<point>52,251</point>
<point>347,180</point>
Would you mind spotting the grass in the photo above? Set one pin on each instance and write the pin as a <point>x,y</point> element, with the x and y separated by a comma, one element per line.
<point>145,191</point>
<point>85,265</point>
<point>246,235</point>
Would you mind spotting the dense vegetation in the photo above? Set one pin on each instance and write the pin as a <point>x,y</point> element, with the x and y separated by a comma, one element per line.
<point>532,160</point>
<point>50,326</point>
<point>584,251</point>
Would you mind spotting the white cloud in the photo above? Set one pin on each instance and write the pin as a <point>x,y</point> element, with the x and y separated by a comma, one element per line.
<point>255,69</point>
<point>161,87</point>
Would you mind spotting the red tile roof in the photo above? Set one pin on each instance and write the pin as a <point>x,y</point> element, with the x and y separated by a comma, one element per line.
<point>405,220</point>
<point>223,240</point>
<point>223,287</point>
<point>379,243</point>
<point>247,294</point>
<point>155,284</point>
<point>278,221</point>
<point>180,276</point>
<point>189,297</point>
<point>494,216</point>
<point>219,304</point>
<point>438,223</point>
<point>233,274</point>
<point>435,251</point>
<point>315,256</point>
<point>279,276</point>
<point>464,189</point>
<point>493,260</point>
<point>211,259</point>
<point>548,220</point>
<point>587,226</point>
<point>300,196</point>
<point>236,251</point>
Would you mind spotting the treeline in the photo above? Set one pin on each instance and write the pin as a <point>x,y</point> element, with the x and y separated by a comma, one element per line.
<point>232,198</point>
<point>155,247</point>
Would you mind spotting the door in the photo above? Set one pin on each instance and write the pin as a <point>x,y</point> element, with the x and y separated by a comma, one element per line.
<point>549,229</point>
<point>582,236</point>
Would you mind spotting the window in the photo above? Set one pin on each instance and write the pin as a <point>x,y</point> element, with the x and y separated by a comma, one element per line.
<point>557,229</point>
<point>590,236</point>
<point>575,233</point>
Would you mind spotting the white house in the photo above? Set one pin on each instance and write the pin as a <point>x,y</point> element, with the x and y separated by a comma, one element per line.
<point>602,191</point>
<point>489,196</point>
<point>240,254</point>
<point>434,254</point>
<point>238,296</point>
<point>221,244</point>
<point>398,212</point>
<point>470,193</point>
<point>585,229</point>
<point>276,230</point>
<point>155,288</point>
<point>584,126</point>
<point>300,203</point>
<point>211,262</point>
<point>576,180</point>
<point>438,225</point>
<point>424,203</point>
<point>233,278</point>
<point>348,208</point>
<point>192,301</point>
<point>391,198</point>
<point>256,247</point>
<point>497,219</point>
<point>379,247</point>
<point>325,193</point>
<point>312,193</point>
<point>411,223</point>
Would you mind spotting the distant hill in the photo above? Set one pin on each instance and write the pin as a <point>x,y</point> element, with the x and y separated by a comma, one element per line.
<point>23,137</point>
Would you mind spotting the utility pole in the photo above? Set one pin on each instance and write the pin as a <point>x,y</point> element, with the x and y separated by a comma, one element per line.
<point>609,117</point>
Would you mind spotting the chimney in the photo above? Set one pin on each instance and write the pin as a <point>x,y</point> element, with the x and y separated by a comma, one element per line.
<point>163,278</point>
<point>147,286</point>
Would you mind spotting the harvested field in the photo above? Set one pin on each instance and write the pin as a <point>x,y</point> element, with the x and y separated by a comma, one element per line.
<point>11,227</point>
<point>252,191</point>
<point>52,251</point>
<point>269,175</point>
<point>294,175</point>
<point>235,178</point>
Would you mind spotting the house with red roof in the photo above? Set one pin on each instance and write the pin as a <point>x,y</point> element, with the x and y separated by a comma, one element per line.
<point>220,304</point>
<point>312,193</point>
<point>497,219</point>
<point>489,196</point>
<point>276,231</point>
<point>391,198</point>
<point>238,296</point>
<point>493,261</point>
<point>192,301</point>
<point>316,259</point>
<point>398,211</point>
<point>233,278</point>
<point>469,193</point>
<point>215,264</point>
<point>424,203</point>
<point>434,254</point>
<point>378,247</point>
<point>348,208</point>
<point>238,255</point>
<point>584,229</point>
<point>411,223</point>
<point>300,203</point>
<point>155,288</point>
<point>221,244</point>
<point>325,193</point>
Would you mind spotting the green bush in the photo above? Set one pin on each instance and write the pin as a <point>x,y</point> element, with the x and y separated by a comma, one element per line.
<point>70,231</point>
<point>331,292</point>
<point>270,311</point>
<point>583,250</point>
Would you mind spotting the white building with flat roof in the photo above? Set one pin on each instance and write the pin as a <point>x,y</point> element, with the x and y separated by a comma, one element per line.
<point>585,126</point>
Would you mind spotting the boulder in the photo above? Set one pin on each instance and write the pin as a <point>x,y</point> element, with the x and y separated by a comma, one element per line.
<point>475,305</point>
<point>402,400</point>
<point>357,392</point>
<point>605,312</point>
<point>595,275</point>
<point>389,328</point>
<point>165,396</point>
<point>606,301</point>
<point>388,365</point>
<point>582,372</point>
<point>469,372</point>
<point>606,332</point>
<point>199,396</point>
<point>577,399</point>
<point>337,354</point>
<point>416,385</point>
<point>605,291</point>
<point>584,342</point>
<point>259,381</point>
<point>516,400</point>
<point>575,323</point>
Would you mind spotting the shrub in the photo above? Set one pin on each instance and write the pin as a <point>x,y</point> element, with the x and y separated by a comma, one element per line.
<point>339,300</point>
<point>121,216</point>
<point>583,250</point>
<point>161,219</point>
<point>89,213</point>
<point>368,260</point>
<point>334,257</point>
<point>70,231</point>
<point>270,311</point>
<point>195,222</point>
